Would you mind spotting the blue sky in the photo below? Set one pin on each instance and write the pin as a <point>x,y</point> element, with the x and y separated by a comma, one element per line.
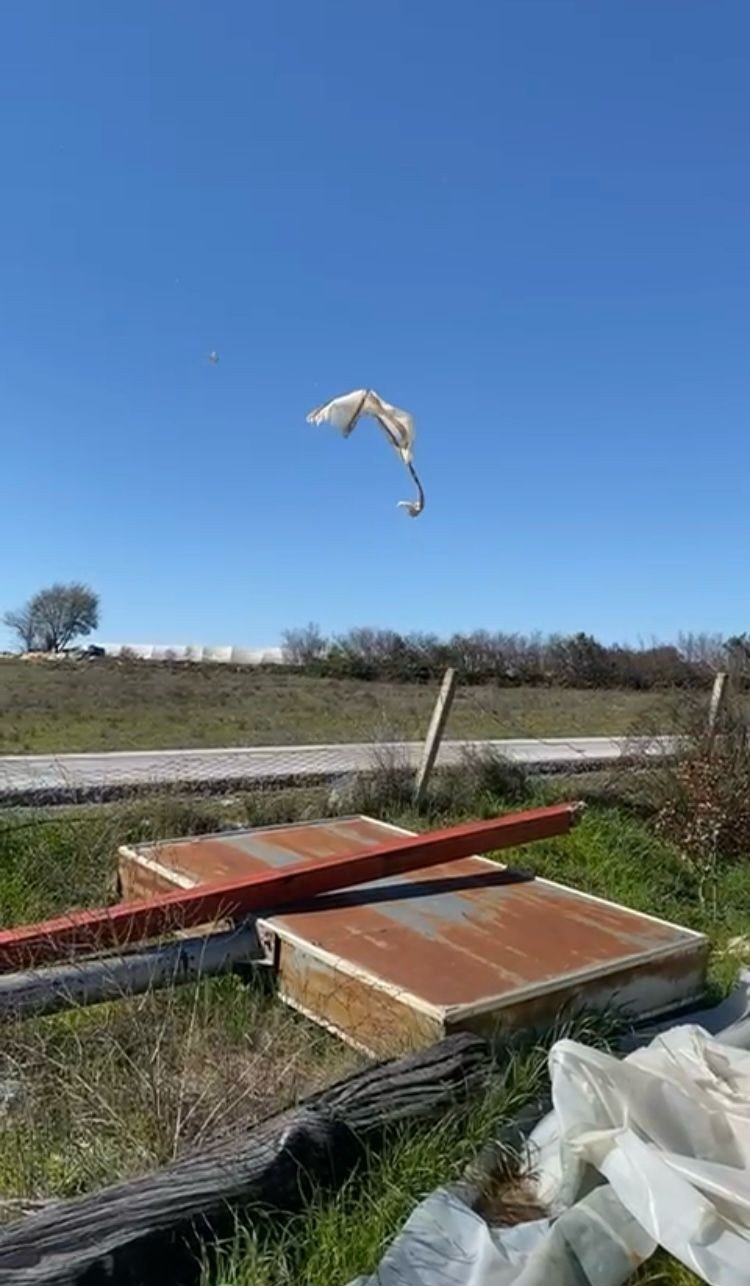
<point>526,221</point>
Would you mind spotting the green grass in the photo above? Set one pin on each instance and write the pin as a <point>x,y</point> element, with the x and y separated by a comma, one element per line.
<point>337,1238</point>
<point>66,858</point>
<point>117,1089</point>
<point>106,705</point>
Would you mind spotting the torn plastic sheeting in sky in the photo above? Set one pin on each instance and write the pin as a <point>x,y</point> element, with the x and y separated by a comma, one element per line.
<point>344,412</point>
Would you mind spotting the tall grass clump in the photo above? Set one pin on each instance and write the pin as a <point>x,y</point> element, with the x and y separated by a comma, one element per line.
<point>336,1238</point>
<point>480,784</point>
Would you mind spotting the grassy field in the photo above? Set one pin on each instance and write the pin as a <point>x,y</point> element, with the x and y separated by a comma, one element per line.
<point>118,1089</point>
<point>106,705</point>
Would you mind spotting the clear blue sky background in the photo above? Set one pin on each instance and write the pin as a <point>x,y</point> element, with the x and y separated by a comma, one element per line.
<point>525,221</point>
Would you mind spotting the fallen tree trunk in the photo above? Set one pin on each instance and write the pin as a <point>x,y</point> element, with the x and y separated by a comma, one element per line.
<point>151,1231</point>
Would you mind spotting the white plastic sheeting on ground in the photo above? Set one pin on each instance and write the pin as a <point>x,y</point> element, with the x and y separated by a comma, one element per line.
<point>651,1150</point>
<point>444,1243</point>
<point>669,1129</point>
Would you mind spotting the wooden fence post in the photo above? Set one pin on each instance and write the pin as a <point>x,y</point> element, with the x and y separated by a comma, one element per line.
<point>435,734</point>
<point>717,703</point>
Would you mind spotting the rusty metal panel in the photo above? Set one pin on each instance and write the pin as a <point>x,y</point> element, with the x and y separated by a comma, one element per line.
<point>257,893</point>
<point>141,876</point>
<point>472,930</point>
<point>371,1018</point>
<point>470,943</point>
<point>644,986</point>
<point>147,870</point>
<point>207,859</point>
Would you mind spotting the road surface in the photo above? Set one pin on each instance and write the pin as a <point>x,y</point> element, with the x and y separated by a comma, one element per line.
<point>62,778</point>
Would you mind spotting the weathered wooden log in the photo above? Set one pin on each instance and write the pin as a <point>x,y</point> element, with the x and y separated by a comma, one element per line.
<point>152,1231</point>
<point>89,982</point>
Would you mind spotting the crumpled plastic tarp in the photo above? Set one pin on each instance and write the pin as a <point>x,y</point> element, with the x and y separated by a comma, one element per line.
<point>650,1150</point>
<point>444,1243</point>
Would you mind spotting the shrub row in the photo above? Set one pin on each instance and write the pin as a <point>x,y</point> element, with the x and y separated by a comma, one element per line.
<point>575,660</point>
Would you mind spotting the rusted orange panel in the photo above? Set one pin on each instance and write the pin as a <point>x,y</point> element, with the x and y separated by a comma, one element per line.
<point>468,943</point>
<point>208,859</point>
<point>498,932</point>
<point>643,986</point>
<point>139,881</point>
<point>373,1019</point>
<point>287,880</point>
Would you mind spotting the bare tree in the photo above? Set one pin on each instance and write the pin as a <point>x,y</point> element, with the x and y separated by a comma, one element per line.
<point>303,646</point>
<point>24,626</point>
<point>55,616</point>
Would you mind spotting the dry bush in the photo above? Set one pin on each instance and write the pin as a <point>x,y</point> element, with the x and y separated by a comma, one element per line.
<point>478,785</point>
<point>384,791</point>
<point>710,808</point>
<point>698,797</point>
<point>114,1090</point>
<point>490,656</point>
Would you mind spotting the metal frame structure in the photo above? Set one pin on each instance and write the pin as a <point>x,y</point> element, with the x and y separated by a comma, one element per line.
<point>128,924</point>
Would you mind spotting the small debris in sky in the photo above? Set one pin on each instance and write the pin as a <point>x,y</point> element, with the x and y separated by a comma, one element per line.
<point>213,357</point>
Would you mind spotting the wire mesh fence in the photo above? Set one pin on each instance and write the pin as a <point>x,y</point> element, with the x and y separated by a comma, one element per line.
<point>48,779</point>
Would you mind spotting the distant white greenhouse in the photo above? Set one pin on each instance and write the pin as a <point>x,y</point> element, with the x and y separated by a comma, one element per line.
<point>193,652</point>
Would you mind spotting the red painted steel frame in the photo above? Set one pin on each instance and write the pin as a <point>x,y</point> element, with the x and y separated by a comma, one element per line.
<point>130,922</point>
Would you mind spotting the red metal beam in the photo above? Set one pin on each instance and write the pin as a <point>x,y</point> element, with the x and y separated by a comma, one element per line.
<point>130,922</point>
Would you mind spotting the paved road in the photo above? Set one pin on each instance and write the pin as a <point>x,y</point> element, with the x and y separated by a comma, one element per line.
<point>32,778</point>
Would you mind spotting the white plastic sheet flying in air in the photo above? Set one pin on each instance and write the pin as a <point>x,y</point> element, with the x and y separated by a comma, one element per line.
<point>344,412</point>
<point>651,1150</point>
